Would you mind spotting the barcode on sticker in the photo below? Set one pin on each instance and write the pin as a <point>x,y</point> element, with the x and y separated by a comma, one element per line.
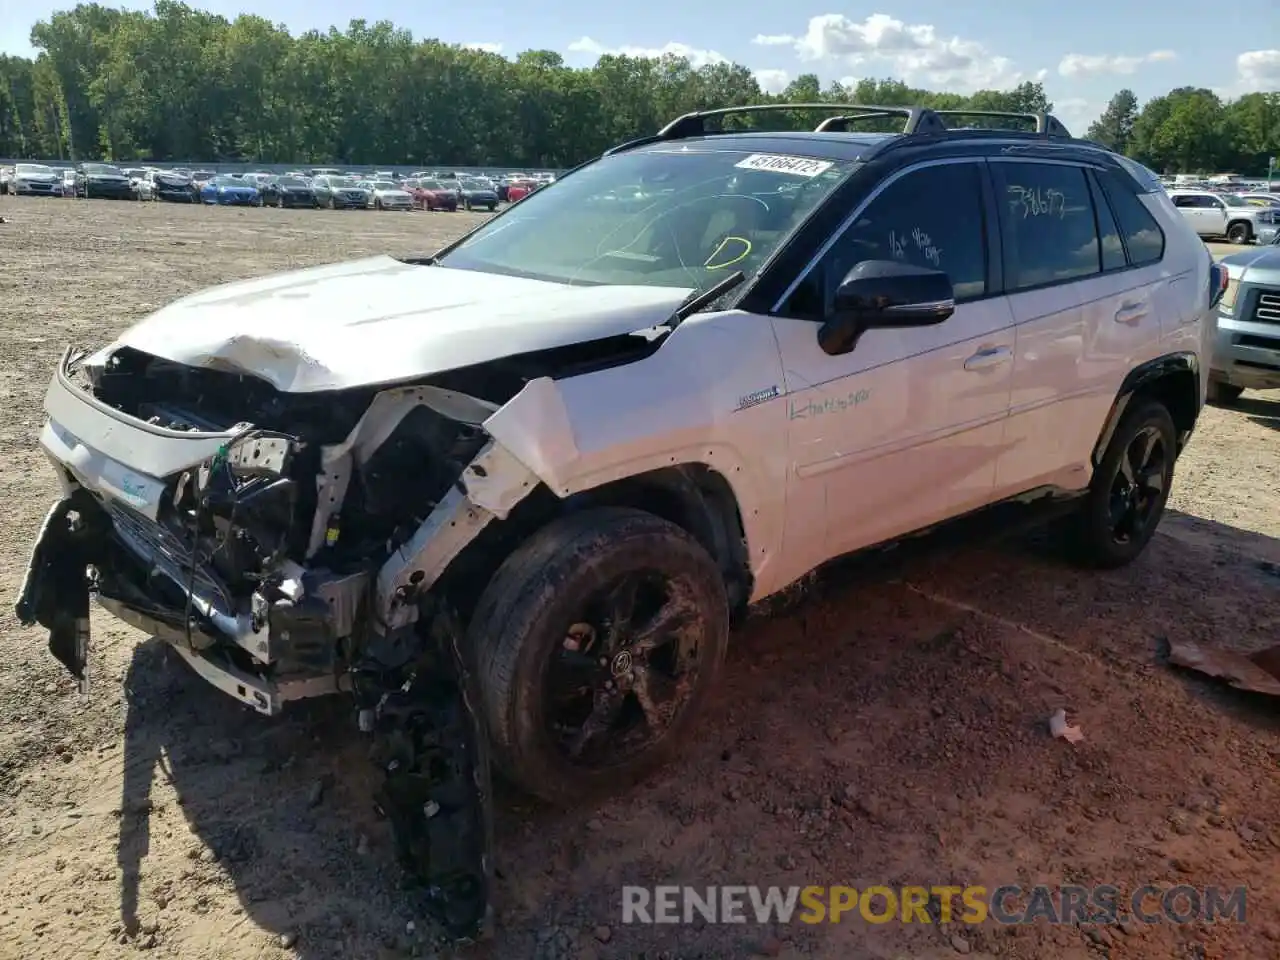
<point>776,163</point>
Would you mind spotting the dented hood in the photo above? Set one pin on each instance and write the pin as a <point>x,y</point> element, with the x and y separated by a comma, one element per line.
<point>379,320</point>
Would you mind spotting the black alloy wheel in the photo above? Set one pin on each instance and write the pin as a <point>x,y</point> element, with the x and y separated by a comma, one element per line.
<point>596,644</point>
<point>1138,489</point>
<point>623,671</point>
<point>1130,487</point>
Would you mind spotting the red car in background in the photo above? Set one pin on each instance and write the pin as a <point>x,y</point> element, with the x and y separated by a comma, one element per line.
<point>519,189</point>
<point>431,195</point>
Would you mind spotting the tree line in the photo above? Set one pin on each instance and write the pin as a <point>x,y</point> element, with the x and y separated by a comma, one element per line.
<point>179,83</point>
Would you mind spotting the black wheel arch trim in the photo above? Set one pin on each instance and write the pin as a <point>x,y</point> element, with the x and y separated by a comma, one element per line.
<point>1145,375</point>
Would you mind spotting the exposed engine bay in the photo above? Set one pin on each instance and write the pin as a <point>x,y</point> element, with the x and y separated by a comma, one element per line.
<point>294,559</point>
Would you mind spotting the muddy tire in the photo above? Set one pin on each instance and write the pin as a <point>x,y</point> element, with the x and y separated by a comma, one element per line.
<point>1129,490</point>
<point>1222,394</point>
<point>522,638</point>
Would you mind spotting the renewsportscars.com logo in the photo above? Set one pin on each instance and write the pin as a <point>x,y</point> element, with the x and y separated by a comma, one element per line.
<point>1011,904</point>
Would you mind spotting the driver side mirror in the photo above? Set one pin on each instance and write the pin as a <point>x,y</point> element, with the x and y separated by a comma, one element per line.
<point>886,295</point>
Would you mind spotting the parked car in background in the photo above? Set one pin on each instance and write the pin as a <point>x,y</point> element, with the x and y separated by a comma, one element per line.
<point>6,174</point>
<point>1271,200</point>
<point>35,180</point>
<point>340,193</point>
<point>387,195</point>
<point>175,186</point>
<point>102,181</point>
<point>228,191</point>
<point>1225,215</point>
<point>432,195</point>
<point>477,193</point>
<point>1246,349</point>
<point>68,182</point>
<point>519,189</point>
<point>288,191</point>
<point>200,177</point>
<point>141,182</point>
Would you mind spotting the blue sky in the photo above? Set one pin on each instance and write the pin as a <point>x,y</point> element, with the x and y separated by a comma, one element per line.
<point>1083,51</point>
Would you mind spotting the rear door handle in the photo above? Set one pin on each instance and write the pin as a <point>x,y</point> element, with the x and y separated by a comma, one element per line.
<point>1131,313</point>
<point>988,357</point>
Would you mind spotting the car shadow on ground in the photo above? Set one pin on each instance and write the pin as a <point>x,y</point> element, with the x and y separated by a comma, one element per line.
<point>884,700</point>
<point>1264,412</point>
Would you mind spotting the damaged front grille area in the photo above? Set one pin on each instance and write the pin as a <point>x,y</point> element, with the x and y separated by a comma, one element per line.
<point>286,546</point>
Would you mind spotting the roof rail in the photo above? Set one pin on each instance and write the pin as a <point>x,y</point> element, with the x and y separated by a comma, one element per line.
<point>1046,124</point>
<point>916,120</point>
<point>694,124</point>
<point>919,119</point>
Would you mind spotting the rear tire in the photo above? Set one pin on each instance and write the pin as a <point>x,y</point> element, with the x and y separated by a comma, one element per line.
<point>1222,394</point>
<point>526,619</point>
<point>1130,487</point>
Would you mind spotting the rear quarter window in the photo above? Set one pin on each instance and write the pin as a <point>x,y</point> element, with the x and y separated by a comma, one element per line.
<point>1143,239</point>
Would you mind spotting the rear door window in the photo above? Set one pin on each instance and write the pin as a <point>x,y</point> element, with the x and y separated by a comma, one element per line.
<point>1047,224</point>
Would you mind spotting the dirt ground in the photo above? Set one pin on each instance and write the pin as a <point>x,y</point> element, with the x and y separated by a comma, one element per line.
<point>893,731</point>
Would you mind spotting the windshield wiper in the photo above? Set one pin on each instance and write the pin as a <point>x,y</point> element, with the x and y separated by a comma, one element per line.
<point>420,261</point>
<point>700,298</point>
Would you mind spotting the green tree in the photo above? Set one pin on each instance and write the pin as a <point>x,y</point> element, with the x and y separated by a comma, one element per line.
<point>180,83</point>
<point>1114,128</point>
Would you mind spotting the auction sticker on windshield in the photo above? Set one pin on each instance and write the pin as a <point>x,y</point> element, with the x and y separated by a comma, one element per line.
<point>774,163</point>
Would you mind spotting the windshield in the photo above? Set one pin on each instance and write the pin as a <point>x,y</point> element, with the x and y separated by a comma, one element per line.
<point>656,218</point>
<point>385,185</point>
<point>227,181</point>
<point>474,184</point>
<point>290,182</point>
<point>432,185</point>
<point>343,182</point>
<point>37,168</point>
<point>102,169</point>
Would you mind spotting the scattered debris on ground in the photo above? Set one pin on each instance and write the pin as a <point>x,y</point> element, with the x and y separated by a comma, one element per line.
<point>1258,672</point>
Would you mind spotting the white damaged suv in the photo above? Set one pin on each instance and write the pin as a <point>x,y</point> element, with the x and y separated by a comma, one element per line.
<point>509,497</point>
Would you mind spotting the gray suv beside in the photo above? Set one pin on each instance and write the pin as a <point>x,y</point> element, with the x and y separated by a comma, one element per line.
<point>1246,350</point>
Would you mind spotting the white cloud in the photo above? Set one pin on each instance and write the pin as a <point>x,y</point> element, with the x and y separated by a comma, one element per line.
<point>772,81</point>
<point>484,47</point>
<point>1094,65</point>
<point>916,52</point>
<point>1259,70</point>
<point>697,58</point>
<point>1077,113</point>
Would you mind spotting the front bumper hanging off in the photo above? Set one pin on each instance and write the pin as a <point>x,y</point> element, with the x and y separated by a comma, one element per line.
<point>117,475</point>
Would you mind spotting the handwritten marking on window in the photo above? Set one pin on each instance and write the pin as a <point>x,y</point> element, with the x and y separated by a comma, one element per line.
<point>921,242</point>
<point>1037,202</point>
<point>838,404</point>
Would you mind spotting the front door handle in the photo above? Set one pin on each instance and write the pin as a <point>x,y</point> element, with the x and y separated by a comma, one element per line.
<point>1131,313</point>
<point>988,357</point>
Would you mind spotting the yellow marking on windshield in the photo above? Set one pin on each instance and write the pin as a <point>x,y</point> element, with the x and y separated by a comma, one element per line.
<point>746,252</point>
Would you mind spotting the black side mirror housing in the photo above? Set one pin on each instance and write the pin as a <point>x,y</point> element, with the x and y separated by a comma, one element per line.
<point>885,294</point>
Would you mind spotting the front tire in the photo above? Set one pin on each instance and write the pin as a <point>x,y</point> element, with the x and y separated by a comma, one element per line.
<point>596,645</point>
<point>1239,232</point>
<point>1129,490</point>
<point>1222,394</point>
